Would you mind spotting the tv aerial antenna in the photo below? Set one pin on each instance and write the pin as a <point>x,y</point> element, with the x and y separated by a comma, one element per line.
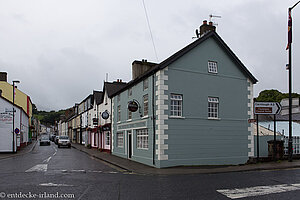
<point>211,16</point>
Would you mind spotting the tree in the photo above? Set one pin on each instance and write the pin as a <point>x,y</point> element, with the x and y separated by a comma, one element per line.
<point>274,96</point>
<point>34,109</point>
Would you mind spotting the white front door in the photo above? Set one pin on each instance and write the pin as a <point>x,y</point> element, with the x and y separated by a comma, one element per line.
<point>107,140</point>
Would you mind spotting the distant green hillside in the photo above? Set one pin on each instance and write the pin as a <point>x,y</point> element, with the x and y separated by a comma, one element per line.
<point>47,117</point>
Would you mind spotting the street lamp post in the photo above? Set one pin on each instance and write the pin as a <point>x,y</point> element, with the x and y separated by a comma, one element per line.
<point>13,132</point>
<point>290,145</point>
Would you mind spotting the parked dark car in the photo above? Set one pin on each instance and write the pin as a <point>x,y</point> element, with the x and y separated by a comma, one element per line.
<point>44,140</point>
<point>64,140</point>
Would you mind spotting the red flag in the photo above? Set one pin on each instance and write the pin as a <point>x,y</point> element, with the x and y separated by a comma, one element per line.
<point>289,30</point>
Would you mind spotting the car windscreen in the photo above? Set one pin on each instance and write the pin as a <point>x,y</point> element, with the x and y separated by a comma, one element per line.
<point>63,137</point>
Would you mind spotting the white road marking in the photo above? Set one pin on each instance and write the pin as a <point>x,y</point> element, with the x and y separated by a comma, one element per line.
<point>47,160</point>
<point>95,171</point>
<point>55,185</point>
<point>78,170</point>
<point>54,153</point>
<point>38,168</point>
<point>258,190</point>
<point>112,172</point>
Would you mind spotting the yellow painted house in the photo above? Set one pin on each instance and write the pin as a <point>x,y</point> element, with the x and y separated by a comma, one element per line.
<point>21,99</point>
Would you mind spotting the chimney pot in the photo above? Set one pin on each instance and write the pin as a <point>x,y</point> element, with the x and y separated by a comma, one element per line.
<point>205,28</point>
<point>140,67</point>
<point>3,76</point>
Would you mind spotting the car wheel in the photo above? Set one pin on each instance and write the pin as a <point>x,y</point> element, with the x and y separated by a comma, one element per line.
<point>58,146</point>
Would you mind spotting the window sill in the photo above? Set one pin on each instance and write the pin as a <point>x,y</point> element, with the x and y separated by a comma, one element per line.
<point>144,117</point>
<point>128,120</point>
<point>119,122</point>
<point>213,118</point>
<point>146,149</point>
<point>176,117</point>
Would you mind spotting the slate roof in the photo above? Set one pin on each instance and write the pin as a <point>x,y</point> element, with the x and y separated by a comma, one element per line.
<point>97,97</point>
<point>112,88</point>
<point>180,53</point>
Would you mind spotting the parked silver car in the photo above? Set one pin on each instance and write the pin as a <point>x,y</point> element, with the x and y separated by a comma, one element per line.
<point>44,140</point>
<point>64,140</point>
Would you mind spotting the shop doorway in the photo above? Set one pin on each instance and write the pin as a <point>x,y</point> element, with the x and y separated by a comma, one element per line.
<point>129,144</point>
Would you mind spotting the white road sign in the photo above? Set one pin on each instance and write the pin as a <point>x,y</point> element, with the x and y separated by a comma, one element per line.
<point>267,108</point>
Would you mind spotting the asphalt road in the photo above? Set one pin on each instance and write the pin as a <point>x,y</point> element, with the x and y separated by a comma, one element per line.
<point>51,173</point>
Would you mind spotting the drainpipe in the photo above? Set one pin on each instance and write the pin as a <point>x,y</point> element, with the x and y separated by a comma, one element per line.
<point>153,117</point>
<point>111,123</point>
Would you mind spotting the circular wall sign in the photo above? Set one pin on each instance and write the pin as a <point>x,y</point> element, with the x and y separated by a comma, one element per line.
<point>105,115</point>
<point>17,131</point>
<point>133,106</point>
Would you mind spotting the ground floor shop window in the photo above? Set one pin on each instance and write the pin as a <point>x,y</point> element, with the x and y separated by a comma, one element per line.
<point>120,141</point>
<point>142,138</point>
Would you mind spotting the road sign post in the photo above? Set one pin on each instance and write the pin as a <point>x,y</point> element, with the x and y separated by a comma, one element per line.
<point>267,108</point>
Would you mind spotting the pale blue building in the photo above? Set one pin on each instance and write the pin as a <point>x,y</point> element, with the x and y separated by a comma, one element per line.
<point>193,108</point>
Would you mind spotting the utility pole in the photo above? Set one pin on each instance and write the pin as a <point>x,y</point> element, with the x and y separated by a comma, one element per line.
<point>13,129</point>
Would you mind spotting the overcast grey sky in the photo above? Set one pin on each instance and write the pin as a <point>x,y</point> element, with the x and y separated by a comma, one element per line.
<point>61,50</point>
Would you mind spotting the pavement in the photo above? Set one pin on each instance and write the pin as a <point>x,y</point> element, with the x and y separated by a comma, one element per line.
<point>138,168</point>
<point>20,152</point>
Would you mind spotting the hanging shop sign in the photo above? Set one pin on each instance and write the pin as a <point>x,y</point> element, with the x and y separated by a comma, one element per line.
<point>95,121</point>
<point>105,115</point>
<point>133,106</point>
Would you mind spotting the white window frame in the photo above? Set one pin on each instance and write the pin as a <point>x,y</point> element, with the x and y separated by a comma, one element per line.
<point>129,92</point>
<point>145,84</point>
<point>213,107</point>
<point>212,67</point>
<point>129,115</point>
<point>176,106</point>
<point>146,105</point>
<point>120,139</point>
<point>119,113</point>
<point>142,139</point>
<point>107,138</point>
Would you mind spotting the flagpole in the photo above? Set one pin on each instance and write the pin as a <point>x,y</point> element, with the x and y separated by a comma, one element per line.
<point>290,143</point>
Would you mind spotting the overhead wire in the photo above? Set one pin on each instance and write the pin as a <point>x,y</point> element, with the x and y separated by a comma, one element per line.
<point>151,35</point>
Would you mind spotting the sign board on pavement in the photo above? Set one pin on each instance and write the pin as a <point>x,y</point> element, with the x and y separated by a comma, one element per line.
<point>267,108</point>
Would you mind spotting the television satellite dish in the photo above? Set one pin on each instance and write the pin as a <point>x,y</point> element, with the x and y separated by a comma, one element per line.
<point>197,33</point>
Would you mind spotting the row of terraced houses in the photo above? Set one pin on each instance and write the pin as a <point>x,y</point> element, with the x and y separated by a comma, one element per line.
<point>190,109</point>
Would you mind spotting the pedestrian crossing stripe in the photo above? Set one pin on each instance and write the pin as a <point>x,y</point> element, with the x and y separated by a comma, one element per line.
<point>38,168</point>
<point>258,190</point>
